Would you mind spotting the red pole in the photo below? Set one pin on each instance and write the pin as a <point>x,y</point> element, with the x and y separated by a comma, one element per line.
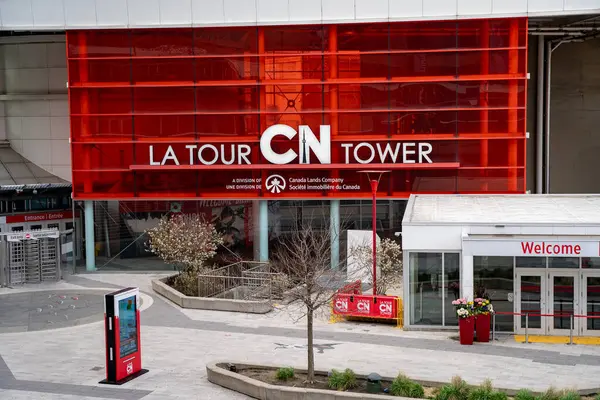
<point>374,212</point>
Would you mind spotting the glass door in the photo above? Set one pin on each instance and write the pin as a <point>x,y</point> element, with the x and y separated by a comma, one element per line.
<point>530,298</point>
<point>591,304</point>
<point>563,300</point>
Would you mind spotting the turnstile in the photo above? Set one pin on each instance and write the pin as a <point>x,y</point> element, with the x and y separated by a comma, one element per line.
<point>29,257</point>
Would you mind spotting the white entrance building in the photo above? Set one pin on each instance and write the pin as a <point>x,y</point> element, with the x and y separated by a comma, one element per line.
<point>529,254</point>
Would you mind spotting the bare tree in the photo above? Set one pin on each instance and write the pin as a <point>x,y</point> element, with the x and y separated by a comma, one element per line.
<point>389,263</point>
<point>304,255</point>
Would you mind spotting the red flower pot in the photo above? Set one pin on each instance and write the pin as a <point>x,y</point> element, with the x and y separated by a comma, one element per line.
<point>482,326</point>
<point>466,326</point>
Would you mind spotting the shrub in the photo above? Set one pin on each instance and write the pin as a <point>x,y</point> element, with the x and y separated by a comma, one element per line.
<point>597,397</point>
<point>550,394</point>
<point>486,392</point>
<point>283,374</point>
<point>525,394</point>
<point>457,389</point>
<point>570,395</point>
<point>342,380</point>
<point>403,386</point>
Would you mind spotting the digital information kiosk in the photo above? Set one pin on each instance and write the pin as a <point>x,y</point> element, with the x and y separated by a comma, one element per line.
<point>122,336</point>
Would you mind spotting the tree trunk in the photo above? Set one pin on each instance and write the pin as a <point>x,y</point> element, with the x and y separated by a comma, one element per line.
<point>311,354</point>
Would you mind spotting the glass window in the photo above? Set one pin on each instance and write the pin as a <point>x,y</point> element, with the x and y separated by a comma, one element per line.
<point>39,204</point>
<point>452,286</point>
<point>563,262</point>
<point>590,262</point>
<point>593,302</point>
<point>425,288</point>
<point>530,262</point>
<point>493,279</point>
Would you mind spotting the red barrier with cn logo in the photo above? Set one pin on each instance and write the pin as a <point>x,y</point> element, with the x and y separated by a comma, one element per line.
<point>365,306</point>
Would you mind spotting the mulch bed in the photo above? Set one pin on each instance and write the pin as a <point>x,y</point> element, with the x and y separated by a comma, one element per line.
<point>299,380</point>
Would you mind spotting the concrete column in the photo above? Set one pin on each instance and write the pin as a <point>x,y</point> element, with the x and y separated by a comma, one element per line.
<point>466,276</point>
<point>334,231</point>
<point>263,230</point>
<point>90,251</point>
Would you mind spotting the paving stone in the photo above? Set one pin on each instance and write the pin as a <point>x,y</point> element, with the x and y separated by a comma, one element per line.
<point>177,345</point>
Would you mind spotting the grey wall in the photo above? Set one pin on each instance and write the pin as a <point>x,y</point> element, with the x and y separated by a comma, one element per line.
<point>575,118</point>
<point>531,111</point>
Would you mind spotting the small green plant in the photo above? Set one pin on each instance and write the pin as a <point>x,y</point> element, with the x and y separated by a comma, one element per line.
<point>403,386</point>
<point>550,394</point>
<point>283,374</point>
<point>457,389</point>
<point>570,395</point>
<point>342,381</point>
<point>525,394</point>
<point>597,397</point>
<point>486,392</point>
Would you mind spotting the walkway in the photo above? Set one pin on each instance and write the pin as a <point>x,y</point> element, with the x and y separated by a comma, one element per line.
<point>46,362</point>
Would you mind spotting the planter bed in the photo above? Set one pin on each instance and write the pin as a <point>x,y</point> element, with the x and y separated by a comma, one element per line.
<point>161,287</point>
<point>268,376</point>
<point>260,382</point>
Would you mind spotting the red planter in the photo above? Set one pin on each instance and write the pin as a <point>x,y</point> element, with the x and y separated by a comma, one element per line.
<point>482,326</point>
<point>466,326</point>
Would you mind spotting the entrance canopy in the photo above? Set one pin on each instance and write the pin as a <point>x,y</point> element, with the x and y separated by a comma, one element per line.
<point>17,172</point>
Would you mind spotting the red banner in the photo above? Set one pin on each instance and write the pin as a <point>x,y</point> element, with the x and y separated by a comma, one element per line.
<point>365,306</point>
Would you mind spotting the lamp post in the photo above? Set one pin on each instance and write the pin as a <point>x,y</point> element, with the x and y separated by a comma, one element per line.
<point>374,177</point>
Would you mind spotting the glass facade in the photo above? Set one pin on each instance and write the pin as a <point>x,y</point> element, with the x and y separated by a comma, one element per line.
<point>434,284</point>
<point>493,279</point>
<point>141,98</point>
<point>120,226</point>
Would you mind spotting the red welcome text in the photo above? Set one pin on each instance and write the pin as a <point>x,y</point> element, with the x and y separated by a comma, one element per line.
<point>550,248</point>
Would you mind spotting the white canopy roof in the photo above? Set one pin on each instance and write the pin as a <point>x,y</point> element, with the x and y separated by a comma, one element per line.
<point>502,210</point>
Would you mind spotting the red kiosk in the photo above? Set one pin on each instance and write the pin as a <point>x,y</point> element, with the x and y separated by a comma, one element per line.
<point>122,336</point>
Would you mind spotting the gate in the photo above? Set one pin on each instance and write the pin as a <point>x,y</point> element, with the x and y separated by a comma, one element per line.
<point>30,257</point>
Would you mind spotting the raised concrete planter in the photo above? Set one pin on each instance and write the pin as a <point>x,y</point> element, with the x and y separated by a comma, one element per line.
<point>219,375</point>
<point>208,303</point>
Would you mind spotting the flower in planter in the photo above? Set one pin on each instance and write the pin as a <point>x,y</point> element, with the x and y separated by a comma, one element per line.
<point>464,308</point>
<point>483,306</point>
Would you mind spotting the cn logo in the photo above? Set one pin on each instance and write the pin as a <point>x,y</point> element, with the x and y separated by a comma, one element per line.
<point>129,368</point>
<point>341,305</point>
<point>385,308</point>
<point>363,306</point>
<point>275,184</point>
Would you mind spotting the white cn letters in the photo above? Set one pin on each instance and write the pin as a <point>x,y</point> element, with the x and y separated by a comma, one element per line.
<point>307,142</point>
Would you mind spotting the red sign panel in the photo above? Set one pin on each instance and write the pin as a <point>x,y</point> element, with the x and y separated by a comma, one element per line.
<point>235,113</point>
<point>49,216</point>
<point>365,306</point>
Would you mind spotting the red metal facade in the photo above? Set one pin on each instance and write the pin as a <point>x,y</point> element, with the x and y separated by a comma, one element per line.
<point>458,85</point>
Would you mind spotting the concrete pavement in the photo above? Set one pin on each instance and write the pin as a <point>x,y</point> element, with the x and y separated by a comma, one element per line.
<point>68,362</point>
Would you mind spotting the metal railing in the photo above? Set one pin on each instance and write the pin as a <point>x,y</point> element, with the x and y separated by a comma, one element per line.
<point>571,316</point>
<point>243,280</point>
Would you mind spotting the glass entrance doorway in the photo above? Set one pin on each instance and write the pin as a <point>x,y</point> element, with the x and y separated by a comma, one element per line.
<point>590,281</point>
<point>549,299</point>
